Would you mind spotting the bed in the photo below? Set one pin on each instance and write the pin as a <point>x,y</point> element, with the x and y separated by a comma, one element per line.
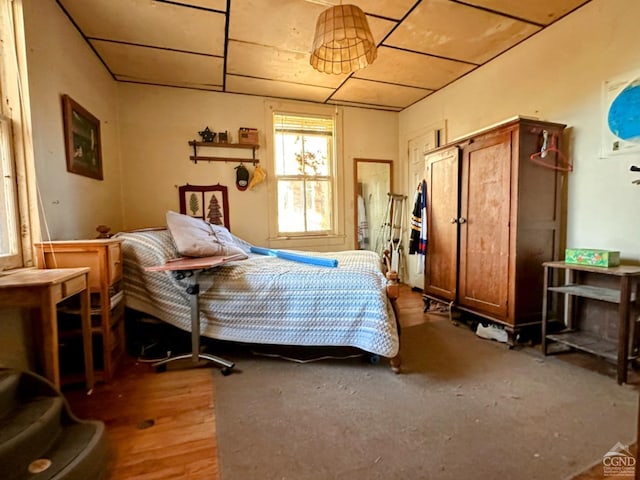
<point>264,299</point>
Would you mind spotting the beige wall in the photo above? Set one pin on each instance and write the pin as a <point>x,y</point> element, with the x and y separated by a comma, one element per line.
<point>157,122</point>
<point>61,62</point>
<point>557,75</point>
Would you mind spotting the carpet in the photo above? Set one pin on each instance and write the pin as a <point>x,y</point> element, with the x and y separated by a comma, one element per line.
<point>463,408</point>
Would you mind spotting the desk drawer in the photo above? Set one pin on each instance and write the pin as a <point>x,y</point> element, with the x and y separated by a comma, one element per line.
<point>74,285</point>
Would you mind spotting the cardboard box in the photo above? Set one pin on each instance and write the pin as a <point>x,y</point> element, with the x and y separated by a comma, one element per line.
<point>593,257</point>
<point>248,136</point>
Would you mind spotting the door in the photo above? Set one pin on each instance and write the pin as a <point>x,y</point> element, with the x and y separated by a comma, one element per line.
<point>417,149</point>
<point>484,224</point>
<point>442,223</point>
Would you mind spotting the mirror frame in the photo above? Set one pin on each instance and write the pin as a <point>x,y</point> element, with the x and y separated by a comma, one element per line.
<point>357,161</point>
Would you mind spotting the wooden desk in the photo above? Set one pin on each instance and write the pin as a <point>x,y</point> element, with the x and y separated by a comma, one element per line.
<point>45,289</point>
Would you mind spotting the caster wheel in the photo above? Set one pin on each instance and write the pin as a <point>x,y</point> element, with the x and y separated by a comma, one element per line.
<point>226,371</point>
<point>161,368</point>
<point>427,305</point>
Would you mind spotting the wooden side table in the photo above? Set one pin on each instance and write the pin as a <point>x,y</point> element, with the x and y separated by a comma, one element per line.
<point>44,289</point>
<point>623,296</point>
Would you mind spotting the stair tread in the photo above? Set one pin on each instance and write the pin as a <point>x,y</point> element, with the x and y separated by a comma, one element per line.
<point>9,382</point>
<point>36,423</point>
<point>25,415</point>
<point>75,440</point>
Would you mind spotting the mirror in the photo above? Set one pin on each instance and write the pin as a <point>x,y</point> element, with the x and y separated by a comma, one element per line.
<point>372,182</point>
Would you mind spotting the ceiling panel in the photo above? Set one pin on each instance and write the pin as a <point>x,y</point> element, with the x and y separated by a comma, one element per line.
<point>272,88</point>
<point>424,45</point>
<point>375,93</point>
<point>219,5</point>
<point>413,69</point>
<point>542,12</point>
<point>451,30</point>
<point>393,10</point>
<point>289,24</point>
<point>162,67</point>
<point>148,22</point>
<point>269,62</point>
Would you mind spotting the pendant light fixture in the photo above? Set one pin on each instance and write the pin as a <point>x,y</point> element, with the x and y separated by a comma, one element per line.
<point>343,42</point>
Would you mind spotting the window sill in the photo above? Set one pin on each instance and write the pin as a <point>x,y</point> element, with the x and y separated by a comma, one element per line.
<point>310,242</point>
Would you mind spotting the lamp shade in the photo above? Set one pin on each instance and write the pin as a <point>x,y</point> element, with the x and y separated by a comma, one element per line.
<point>343,42</point>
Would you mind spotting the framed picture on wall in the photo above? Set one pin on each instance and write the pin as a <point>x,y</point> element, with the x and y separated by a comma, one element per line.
<point>209,202</point>
<point>81,140</point>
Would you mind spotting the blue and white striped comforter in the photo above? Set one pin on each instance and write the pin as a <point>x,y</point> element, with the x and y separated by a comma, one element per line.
<point>266,299</point>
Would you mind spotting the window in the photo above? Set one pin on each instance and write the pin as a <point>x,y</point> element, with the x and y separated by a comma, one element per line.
<point>18,213</point>
<point>304,167</point>
<point>10,252</point>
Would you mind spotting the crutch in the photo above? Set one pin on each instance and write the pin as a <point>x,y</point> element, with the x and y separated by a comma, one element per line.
<point>395,244</point>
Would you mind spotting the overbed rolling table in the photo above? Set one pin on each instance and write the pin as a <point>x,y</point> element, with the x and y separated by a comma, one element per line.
<point>191,268</point>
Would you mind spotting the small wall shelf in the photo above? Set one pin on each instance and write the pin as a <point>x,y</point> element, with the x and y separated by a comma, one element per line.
<point>245,146</point>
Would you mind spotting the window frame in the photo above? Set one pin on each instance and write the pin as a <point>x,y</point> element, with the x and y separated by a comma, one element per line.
<point>15,107</point>
<point>305,178</point>
<point>335,235</point>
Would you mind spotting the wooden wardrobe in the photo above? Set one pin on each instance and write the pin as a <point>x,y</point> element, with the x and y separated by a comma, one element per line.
<point>494,216</point>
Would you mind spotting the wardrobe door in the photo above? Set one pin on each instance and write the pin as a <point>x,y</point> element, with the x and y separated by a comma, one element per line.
<point>483,281</point>
<point>442,174</point>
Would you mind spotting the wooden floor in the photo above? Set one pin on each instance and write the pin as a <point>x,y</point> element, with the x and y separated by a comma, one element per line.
<point>162,426</point>
<point>159,426</point>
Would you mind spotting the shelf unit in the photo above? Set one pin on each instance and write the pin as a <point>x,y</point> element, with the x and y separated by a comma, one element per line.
<point>615,286</point>
<point>244,146</point>
<point>104,259</point>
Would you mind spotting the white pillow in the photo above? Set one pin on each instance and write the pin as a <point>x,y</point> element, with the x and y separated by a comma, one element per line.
<point>195,237</point>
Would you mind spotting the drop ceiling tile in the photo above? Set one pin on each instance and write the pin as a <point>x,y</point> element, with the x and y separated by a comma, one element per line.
<point>148,22</point>
<point>542,12</point>
<point>380,28</point>
<point>455,31</point>
<point>271,63</point>
<point>164,67</point>
<point>365,105</point>
<point>288,24</point>
<point>374,93</point>
<point>273,88</point>
<point>219,5</point>
<point>413,69</point>
<point>395,9</point>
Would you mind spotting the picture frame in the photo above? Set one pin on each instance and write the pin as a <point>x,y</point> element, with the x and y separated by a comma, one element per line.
<point>208,202</point>
<point>82,141</point>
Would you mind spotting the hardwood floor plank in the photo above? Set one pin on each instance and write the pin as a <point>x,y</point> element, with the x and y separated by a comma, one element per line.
<point>159,425</point>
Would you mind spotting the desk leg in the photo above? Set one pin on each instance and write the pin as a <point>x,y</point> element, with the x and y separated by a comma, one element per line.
<point>545,299</point>
<point>49,322</point>
<point>87,343</point>
<point>623,328</point>
<point>194,291</point>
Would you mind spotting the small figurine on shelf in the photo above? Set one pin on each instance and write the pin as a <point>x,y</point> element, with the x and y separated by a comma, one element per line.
<point>103,231</point>
<point>223,137</point>
<point>207,135</point>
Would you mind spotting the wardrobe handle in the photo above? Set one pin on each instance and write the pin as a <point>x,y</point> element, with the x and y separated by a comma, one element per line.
<point>453,220</point>
<point>462,220</point>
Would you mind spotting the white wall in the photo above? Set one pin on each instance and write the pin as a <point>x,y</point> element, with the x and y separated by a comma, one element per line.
<point>557,75</point>
<point>156,124</point>
<point>60,62</point>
